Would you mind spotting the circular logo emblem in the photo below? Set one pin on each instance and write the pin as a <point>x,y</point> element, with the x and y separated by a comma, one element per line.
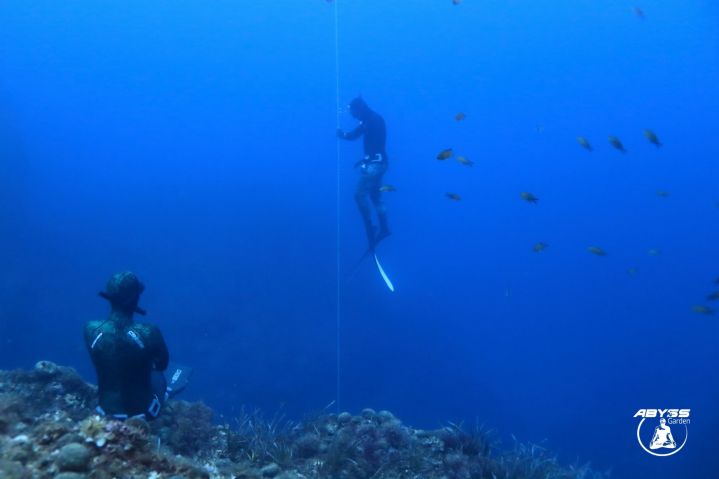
<point>662,441</point>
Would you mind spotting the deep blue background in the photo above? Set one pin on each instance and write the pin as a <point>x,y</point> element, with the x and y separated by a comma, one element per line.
<point>193,142</point>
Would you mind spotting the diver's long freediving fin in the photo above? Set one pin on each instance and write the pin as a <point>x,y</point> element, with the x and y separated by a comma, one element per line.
<point>384,275</point>
<point>177,378</point>
<point>373,252</point>
<point>359,263</point>
<point>368,252</point>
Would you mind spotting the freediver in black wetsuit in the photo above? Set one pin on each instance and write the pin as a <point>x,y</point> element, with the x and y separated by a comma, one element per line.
<point>130,357</point>
<point>372,167</point>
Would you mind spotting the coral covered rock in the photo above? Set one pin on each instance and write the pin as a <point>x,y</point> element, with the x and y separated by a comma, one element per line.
<point>48,430</point>
<point>73,457</point>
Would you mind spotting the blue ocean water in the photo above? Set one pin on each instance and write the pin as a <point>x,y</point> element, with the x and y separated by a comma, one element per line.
<point>193,143</point>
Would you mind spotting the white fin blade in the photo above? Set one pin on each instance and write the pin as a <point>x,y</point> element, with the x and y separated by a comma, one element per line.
<point>384,275</point>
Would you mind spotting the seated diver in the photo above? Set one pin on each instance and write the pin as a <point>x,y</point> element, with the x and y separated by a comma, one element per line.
<point>130,357</point>
<point>372,168</point>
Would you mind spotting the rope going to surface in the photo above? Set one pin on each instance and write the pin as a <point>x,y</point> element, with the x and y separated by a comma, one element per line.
<point>337,202</point>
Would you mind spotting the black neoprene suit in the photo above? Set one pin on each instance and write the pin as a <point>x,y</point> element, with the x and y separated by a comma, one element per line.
<point>125,354</point>
<point>375,134</point>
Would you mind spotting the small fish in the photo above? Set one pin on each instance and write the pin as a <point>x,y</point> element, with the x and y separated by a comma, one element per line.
<point>639,12</point>
<point>662,194</point>
<point>716,280</point>
<point>701,309</point>
<point>453,196</point>
<point>652,137</point>
<point>632,271</point>
<point>584,143</point>
<point>597,251</point>
<point>387,188</point>
<point>539,247</point>
<point>460,116</point>
<point>528,197</point>
<point>445,154</point>
<point>464,161</point>
<point>714,296</point>
<point>654,252</point>
<point>614,141</point>
<point>456,2</point>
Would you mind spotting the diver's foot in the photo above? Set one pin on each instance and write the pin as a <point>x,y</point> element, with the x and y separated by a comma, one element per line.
<point>371,236</point>
<point>382,235</point>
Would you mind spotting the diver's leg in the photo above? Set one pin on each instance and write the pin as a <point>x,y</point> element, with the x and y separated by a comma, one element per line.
<point>383,227</point>
<point>159,385</point>
<point>159,388</point>
<point>363,205</point>
<point>379,205</point>
<point>381,215</point>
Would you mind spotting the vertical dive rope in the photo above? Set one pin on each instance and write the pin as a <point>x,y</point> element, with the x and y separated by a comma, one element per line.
<point>337,201</point>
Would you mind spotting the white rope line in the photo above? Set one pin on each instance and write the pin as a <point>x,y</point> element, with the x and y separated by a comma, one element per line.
<point>337,201</point>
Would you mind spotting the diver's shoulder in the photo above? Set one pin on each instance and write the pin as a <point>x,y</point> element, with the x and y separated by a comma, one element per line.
<point>146,328</point>
<point>377,119</point>
<point>93,325</point>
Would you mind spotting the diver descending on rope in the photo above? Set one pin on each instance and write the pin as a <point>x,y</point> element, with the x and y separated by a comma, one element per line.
<point>372,168</point>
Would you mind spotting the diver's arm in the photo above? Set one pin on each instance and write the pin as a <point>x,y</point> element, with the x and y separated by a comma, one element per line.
<point>160,355</point>
<point>351,135</point>
<point>86,336</point>
<point>90,334</point>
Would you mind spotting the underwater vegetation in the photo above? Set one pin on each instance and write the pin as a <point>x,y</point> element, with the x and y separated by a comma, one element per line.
<point>49,430</point>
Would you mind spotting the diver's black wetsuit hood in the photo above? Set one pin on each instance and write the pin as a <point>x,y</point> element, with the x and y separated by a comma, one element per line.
<point>123,291</point>
<point>359,109</point>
